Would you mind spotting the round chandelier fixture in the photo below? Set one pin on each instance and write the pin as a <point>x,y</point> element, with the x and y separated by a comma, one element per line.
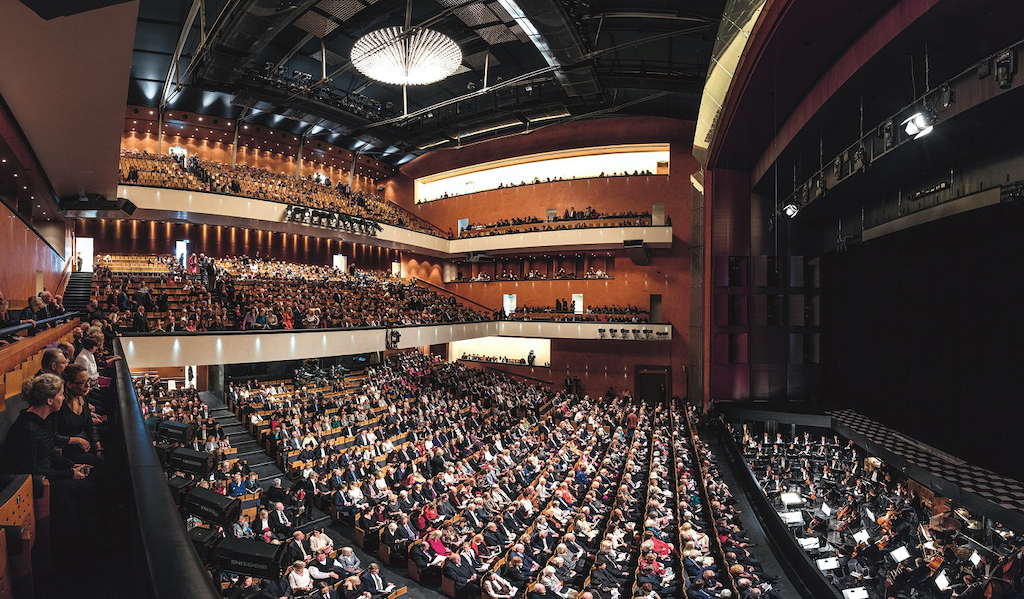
<point>406,56</point>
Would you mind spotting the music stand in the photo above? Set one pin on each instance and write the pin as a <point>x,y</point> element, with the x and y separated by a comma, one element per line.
<point>861,536</point>
<point>827,563</point>
<point>899,554</point>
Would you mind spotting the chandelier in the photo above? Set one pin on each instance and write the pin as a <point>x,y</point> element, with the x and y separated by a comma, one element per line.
<point>406,56</point>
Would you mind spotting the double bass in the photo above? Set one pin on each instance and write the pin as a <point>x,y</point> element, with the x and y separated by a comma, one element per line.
<point>1002,580</point>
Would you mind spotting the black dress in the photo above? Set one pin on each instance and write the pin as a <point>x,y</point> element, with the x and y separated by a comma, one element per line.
<point>30,449</point>
<point>70,424</point>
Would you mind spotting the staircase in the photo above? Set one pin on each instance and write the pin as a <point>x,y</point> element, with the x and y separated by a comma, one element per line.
<point>78,292</point>
<point>259,462</point>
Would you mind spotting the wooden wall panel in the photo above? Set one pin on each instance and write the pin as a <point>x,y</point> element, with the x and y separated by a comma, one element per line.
<point>24,253</point>
<point>117,236</point>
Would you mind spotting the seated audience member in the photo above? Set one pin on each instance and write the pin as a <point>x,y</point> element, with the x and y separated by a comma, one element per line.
<point>299,579</point>
<point>463,575</point>
<point>349,562</point>
<point>75,419</point>
<point>352,588</point>
<point>31,448</point>
<point>496,587</point>
<point>374,582</point>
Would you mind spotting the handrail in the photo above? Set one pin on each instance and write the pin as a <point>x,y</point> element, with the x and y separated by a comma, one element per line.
<point>53,319</point>
<point>170,563</point>
<point>419,280</point>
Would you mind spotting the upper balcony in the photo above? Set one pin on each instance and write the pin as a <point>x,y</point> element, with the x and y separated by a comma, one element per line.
<point>199,207</point>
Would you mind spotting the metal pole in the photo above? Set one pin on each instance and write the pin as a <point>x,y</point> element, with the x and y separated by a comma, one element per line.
<point>160,132</point>
<point>323,60</point>
<point>234,148</point>
<point>487,63</point>
<point>405,100</point>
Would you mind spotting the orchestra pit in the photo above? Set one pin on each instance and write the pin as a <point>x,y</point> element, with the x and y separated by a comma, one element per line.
<point>511,299</point>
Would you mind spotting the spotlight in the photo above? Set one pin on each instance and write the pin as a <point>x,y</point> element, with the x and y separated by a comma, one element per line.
<point>1006,67</point>
<point>790,209</point>
<point>601,332</point>
<point>919,124</point>
<point>613,332</point>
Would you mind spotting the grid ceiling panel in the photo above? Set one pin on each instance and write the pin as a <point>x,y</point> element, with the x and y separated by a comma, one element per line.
<point>519,33</point>
<point>333,58</point>
<point>341,10</point>
<point>496,34</point>
<point>315,24</point>
<point>500,12</point>
<point>475,14</point>
<point>476,61</point>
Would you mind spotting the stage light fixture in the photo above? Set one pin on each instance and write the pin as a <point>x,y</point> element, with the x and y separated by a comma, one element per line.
<point>919,124</point>
<point>1006,68</point>
<point>790,209</point>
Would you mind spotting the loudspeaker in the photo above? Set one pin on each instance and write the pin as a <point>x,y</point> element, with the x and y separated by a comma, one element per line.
<point>245,556</point>
<point>203,539</point>
<point>636,251</point>
<point>188,460</point>
<point>179,485</point>
<point>179,432</point>
<point>163,452</point>
<point>126,206</point>
<point>211,506</point>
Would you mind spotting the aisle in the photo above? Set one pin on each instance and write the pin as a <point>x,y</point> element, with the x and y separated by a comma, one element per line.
<point>750,522</point>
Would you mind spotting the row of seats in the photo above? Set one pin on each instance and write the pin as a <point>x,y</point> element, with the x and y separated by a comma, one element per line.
<point>143,168</point>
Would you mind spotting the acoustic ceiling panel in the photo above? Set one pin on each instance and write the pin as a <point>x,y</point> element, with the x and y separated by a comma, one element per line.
<point>475,14</point>
<point>341,10</point>
<point>315,24</point>
<point>333,58</point>
<point>496,34</point>
<point>476,61</point>
<point>500,12</point>
<point>519,33</point>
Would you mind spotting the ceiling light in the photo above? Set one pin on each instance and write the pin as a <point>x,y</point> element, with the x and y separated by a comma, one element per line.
<point>415,56</point>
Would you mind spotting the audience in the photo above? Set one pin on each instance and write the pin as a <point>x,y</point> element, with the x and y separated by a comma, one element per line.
<point>257,294</point>
<point>143,168</point>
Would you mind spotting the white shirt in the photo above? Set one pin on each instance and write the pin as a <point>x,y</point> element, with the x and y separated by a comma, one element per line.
<point>88,361</point>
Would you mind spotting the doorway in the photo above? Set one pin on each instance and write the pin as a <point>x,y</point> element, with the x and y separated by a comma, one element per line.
<point>653,384</point>
<point>84,250</point>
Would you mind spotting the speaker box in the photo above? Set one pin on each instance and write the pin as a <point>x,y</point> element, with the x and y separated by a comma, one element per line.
<point>179,485</point>
<point>211,506</point>
<point>203,539</point>
<point>178,432</point>
<point>256,558</point>
<point>163,452</point>
<point>127,206</point>
<point>188,460</point>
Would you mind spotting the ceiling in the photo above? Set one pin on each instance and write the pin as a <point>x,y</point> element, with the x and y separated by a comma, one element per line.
<point>66,112</point>
<point>263,61</point>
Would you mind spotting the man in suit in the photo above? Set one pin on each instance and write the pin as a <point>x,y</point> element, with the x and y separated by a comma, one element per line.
<point>323,591</point>
<point>543,545</point>
<point>140,324</point>
<point>261,524</point>
<point>466,585</point>
<point>374,582</point>
<point>343,502</point>
<point>298,549</point>
<point>279,521</point>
